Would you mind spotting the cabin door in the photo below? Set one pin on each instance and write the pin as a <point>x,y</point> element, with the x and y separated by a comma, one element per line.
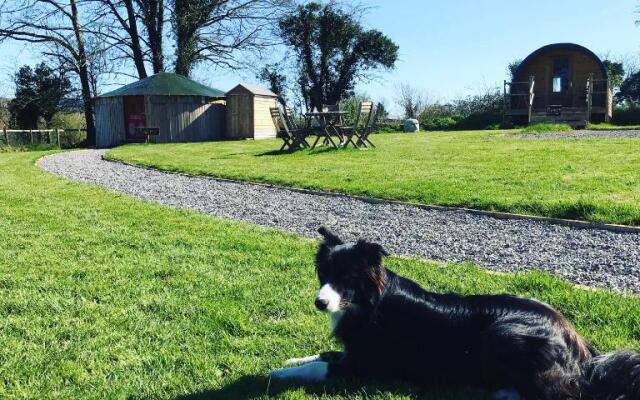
<point>561,90</point>
<point>134,117</point>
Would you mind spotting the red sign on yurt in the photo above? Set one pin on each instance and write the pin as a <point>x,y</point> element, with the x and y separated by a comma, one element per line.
<point>134,117</point>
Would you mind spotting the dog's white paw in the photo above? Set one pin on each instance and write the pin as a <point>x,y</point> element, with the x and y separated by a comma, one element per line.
<point>506,394</point>
<point>314,372</point>
<point>302,360</point>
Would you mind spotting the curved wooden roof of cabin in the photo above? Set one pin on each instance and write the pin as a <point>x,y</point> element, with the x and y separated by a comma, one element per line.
<point>165,84</point>
<point>562,46</point>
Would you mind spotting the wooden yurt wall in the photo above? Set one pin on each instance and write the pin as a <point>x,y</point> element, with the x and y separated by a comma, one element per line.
<point>185,118</point>
<point>262,122</point>
<point>109,121</point>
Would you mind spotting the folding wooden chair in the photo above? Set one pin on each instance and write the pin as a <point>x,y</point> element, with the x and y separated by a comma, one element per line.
<point>360,126</point>
<point>374,126</point>
<point>293,138</point>
<point>299,132</point>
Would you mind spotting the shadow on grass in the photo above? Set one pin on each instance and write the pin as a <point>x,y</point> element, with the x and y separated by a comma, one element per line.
<point>253,386</point>
<point>320,150</point>
<point>276,153</point>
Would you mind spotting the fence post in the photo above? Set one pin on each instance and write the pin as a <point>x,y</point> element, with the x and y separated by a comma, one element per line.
<point>530,98</point>
<point>6,136</point>
<point>590,83</point>
<point>58,137</point>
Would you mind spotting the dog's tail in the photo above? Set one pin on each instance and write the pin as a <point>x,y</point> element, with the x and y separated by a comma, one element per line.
<point>612,376</point>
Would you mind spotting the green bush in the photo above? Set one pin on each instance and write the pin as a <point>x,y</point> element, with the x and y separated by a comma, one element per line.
<point>626,114</point>
<point>482,111</point>
<point>388,127</point>
<point>480,120</point>
<point>438,123</point>
<point>68,120</point>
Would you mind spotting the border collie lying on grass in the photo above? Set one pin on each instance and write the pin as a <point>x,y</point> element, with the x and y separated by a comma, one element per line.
<point>392,328</point>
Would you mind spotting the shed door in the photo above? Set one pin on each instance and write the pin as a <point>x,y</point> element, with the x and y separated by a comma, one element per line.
<point>561,88</point>
<point>134,117</point>
<point>240,108</point>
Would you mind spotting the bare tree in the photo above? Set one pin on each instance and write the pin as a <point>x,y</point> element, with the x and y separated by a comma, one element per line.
<point>410,99</point>
<point>135,30</point>
<point>58,26</point>
<point>217,30</point>
<point>123,33</point>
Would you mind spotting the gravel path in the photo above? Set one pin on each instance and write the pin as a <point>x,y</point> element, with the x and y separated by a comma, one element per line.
<point>586,256</point>
<point>582,134</point>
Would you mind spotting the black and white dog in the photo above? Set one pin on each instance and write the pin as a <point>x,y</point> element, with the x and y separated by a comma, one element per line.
<point>391,327</point>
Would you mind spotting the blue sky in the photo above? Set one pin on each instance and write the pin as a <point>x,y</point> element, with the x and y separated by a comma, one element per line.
<point>453,48</point>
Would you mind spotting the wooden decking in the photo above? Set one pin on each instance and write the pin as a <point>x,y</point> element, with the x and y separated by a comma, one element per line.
<point>574,116</point>
<point>521,104</point>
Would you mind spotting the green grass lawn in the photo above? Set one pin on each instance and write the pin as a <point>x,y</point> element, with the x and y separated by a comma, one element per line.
<point>105,296</point>
<point>591,179</point>
<point>605,126</point>
<point>547,128</point>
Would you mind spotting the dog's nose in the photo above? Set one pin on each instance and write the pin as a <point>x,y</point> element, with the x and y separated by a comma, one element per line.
<point>321,304</point>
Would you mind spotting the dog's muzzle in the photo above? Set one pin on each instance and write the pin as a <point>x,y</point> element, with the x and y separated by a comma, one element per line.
<point>321,304</point>
<point>328,299</point>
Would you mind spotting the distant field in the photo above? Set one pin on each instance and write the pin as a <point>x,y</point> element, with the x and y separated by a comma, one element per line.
<point>105,296</point>
<point>590,179</point>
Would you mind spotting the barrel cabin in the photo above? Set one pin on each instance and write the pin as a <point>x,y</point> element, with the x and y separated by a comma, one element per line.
<point>559,83</point>
<point>161,108</point>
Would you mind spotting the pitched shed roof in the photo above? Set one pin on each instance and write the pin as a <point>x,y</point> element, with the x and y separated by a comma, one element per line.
<point>255,89</point>
<point>165,84</point>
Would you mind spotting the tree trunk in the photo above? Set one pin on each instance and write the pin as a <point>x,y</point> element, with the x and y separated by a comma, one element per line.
<point>316,98</point>
<point>154,24</point>
<point>136,48</point>
<point>88,105</point>
<point>184,60</point>
<point>83,72</point>
<point>152,16</point>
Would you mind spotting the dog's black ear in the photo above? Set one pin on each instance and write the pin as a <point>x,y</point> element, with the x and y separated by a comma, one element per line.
<point>371,252</point>
<point>329,238</point>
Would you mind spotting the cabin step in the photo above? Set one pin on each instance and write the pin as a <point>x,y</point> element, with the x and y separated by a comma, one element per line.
<point>577,118</point>
<point>574,123</point>
<point>558,117</point>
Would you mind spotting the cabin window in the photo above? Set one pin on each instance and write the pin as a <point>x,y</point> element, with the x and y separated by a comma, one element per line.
<point>560,74</point>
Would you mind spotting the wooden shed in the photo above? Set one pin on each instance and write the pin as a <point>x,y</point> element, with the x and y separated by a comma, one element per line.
<point>248,115</point>
<point>561,82</point>
<point>182,110</point>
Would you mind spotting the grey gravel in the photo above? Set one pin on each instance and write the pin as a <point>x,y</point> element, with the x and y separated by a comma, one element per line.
<point>582,134</point>
<point>586,256</point>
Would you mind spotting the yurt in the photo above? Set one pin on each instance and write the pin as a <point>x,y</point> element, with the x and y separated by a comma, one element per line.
<point>162,108</point>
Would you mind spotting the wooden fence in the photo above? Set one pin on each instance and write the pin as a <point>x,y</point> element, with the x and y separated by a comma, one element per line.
<point>62,138</point>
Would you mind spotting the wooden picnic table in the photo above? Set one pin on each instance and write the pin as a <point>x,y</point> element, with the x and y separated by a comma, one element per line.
<point>328,127</point>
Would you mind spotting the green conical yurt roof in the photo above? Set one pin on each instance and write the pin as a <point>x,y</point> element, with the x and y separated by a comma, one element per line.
<point>165,84</point>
